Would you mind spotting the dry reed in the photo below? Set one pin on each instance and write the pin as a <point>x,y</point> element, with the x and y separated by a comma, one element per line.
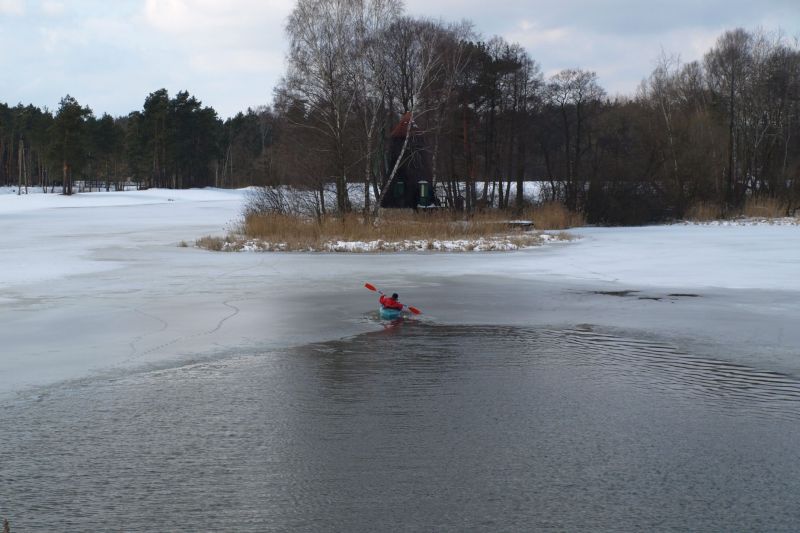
<point>764,208</point>
<point>554,215</point>
<point>703,212</point>
<point>393,230</point>
<point>208,242</point>
<point>304,233</point>
<point>754,207</point>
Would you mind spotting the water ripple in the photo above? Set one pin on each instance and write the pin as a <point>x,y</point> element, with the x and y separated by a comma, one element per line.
<point>655,364</point>
<point>418,427</point>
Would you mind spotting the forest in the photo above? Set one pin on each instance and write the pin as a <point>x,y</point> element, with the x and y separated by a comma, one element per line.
<point>715,131</point>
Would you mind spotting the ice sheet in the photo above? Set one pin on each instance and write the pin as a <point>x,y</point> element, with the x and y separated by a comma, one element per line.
<point>97,282</point>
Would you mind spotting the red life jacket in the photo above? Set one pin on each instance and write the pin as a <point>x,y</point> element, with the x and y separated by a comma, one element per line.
<point>387,301</point>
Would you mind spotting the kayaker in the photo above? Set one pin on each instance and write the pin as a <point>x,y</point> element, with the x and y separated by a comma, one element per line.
<point>390,302</point>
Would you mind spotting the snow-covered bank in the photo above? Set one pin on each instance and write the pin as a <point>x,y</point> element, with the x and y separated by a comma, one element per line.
<point>498,243</point>
<point>97,282</point>
<point>677,256</point>
<point>52,236</point>
<point>10,202</point>
<point>748,221</point>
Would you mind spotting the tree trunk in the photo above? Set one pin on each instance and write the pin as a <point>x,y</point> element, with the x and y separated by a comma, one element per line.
<point>25,171</point>
<point>321,200</point>
<point>470,177</point>
<point>578,183</point>
<point>731,146</point>
<point>569,193</point>
<point>368,163</point>
<point>20,157</point>
<point>520,199</point>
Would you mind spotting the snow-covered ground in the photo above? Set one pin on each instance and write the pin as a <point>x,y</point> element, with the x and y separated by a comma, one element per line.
<point>97,283</point>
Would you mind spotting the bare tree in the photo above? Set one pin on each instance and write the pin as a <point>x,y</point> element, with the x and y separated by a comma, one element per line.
<point>322,35</point>
<point>455,57</point>
<point>527,96</point>
<point>660,94</point>
<point>726,65</point>
<point>576,94</point>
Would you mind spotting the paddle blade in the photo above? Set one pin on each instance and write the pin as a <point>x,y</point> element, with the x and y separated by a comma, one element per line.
<point>414,310</point>
<point>371,287</point>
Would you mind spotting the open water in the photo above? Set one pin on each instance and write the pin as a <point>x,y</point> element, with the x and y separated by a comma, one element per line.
<point>419,427</point>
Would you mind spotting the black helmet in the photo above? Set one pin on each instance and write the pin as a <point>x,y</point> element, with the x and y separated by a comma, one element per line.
<point>394,296</point>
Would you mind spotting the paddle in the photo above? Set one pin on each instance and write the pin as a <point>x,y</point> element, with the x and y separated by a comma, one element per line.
<point>373,288</point>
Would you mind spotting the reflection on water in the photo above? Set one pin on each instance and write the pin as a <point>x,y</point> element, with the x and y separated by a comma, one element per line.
<point>416,427</point>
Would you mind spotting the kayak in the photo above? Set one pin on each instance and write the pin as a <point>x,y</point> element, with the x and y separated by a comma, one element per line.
<point>388,313</point>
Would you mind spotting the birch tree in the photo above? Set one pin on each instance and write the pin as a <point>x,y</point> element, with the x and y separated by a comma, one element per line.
<point>416,63</point>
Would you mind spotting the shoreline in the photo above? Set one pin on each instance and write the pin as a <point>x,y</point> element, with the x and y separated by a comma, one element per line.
<point>499,243</point>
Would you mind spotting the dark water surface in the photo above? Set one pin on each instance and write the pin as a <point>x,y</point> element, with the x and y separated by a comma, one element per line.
<point>417,428</point>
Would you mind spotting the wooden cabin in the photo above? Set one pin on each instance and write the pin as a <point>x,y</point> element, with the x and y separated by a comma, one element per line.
<point>411,187</point>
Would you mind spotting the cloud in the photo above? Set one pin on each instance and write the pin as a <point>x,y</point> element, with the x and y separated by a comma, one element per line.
<point>230,53</point>
<point>625,17</point>
<point>12,7</point>
<point>232,49</point>
<point>531,34</point>
<point>242,60</point>
<point>618,39</point>
<point>237,35</point>
<point>210,17</point>
<point>621,61</point>
<point>52,8</point>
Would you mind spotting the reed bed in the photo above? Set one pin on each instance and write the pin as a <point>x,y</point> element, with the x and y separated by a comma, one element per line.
<point>703,212</point>
<point>395,226</point>
<point>553,216</point>
<point>764,208</point>
<point>754,207</point>
<point>395,230</point>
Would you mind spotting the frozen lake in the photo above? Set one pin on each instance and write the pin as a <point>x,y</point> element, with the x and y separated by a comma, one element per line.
<point>641,378</point>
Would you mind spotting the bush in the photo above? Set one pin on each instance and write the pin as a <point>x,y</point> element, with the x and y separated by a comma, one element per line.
<point>284,200</point>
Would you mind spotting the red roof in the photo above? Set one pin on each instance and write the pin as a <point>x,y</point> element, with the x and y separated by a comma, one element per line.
<point>399,131</point>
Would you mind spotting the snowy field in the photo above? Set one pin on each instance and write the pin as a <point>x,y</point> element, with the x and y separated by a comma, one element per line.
<point>97,284</point>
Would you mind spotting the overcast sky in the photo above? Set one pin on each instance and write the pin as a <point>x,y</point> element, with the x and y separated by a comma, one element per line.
<point>110,54</point>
